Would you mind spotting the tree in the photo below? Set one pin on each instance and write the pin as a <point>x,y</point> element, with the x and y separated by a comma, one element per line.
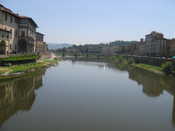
<point>87,52</point>
<point>108,51</point>
<point>168,68</point>
<point>63,51</point>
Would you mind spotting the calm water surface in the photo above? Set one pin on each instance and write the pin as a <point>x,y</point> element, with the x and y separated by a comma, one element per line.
<point>88,96</point>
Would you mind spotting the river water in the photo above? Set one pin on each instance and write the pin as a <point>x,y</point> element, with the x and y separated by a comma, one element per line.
<point>88,96</point>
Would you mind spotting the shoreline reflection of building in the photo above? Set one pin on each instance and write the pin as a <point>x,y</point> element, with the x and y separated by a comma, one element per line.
<point>18,95</point>
<point>154,85</point>
<point>173,112</point>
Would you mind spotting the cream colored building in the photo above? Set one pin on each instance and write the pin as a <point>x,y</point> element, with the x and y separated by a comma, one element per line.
<point>41,46</point>
<point>9,29</point>
<point>171,47</point>
<point>154,45</point>
<point>17,33</point>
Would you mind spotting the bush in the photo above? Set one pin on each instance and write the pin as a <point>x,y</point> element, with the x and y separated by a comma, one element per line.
<point>131,61</point>
<point>19,58</point>
<point>168,68</point>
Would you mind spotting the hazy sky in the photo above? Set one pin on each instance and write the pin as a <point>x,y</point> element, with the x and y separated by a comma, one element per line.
<point>94,21</point>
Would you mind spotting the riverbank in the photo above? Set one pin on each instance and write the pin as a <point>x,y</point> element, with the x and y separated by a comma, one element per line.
<point>150,68</point>
<point>8,72</point>
<point>124,63</point>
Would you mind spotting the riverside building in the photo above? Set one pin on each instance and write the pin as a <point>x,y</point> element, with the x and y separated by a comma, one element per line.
<point>18,34</point>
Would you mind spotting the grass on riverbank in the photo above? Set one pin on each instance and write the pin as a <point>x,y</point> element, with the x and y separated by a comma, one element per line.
<point>20,58</point>
<point>124,63</point>
<point>151,68</point>
<point>26,67</point>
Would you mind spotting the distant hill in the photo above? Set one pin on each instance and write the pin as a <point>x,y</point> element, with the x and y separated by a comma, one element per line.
<point>58,46</point>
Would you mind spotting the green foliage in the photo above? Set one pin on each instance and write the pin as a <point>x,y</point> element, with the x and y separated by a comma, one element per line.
<point>28,67</point>
<point>20,58</point>
<point>2,43</point>
<point>119,43</point>
<point>151,68</point>
<point>122,60</point>
<point>168,68</point>
<point>25,67</point>
<point>131,61</point>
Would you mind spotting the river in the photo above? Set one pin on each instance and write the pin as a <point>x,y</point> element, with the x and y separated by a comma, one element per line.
<point>88,96</point>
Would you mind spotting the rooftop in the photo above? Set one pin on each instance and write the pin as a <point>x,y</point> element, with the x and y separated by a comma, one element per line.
<point>29,18</point>
<point>155,33</point>
<point>4,9</point>
<point>39,33</point>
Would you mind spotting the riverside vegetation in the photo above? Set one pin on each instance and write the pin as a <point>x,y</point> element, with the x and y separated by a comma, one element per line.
<point>121,62</point>
<point>13,71</point>
<point>19,58</point>
<point>101,51</point>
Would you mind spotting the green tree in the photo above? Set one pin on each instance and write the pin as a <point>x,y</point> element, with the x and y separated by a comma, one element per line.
<point>168,68</point>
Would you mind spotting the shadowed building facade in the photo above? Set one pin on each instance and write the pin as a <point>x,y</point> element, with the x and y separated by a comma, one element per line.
<point>41,46</point>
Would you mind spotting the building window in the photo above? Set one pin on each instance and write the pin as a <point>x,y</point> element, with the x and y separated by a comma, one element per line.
<point>16,20</point>
<point>7,36</point>
<point>11,33</point>
<point>11,19</point>
<point>22,33</point>
<point>5,16</point>
<point>16,33</point>
<point>2,34</point>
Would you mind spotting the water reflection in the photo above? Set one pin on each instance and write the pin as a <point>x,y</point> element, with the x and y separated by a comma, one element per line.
<point>18,95</point>
<point>173,112</point>
<point>70,107</point>
<point>154,85</point>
